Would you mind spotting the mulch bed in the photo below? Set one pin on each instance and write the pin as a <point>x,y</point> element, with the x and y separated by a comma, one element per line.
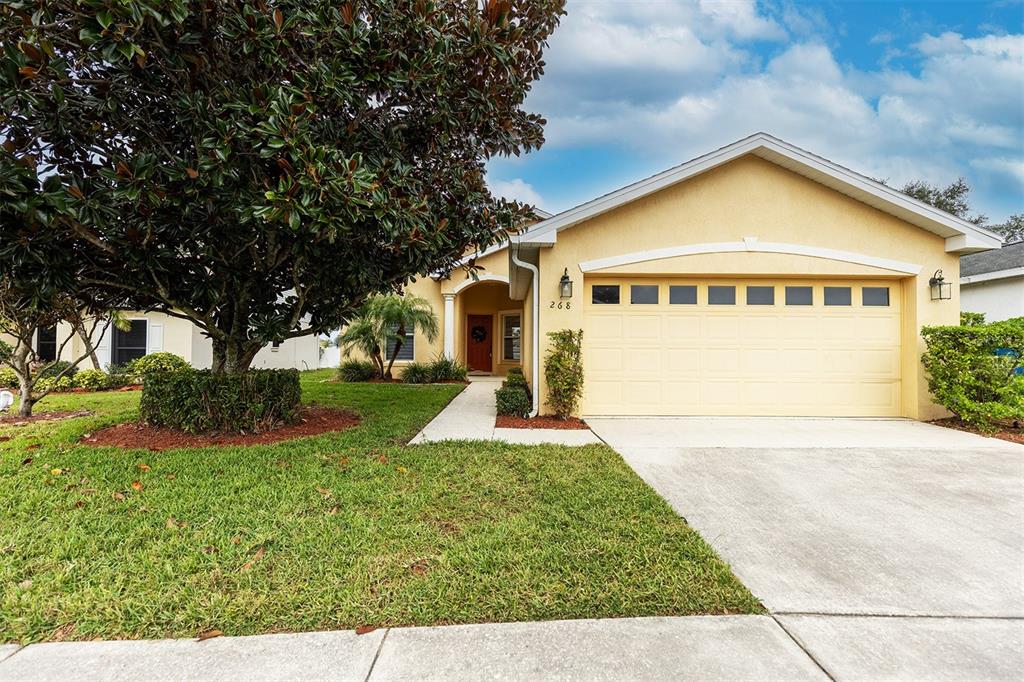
<point>539,423</point>
<point>1014,435</point>
<point>16,420</point>
<point>314,421</point>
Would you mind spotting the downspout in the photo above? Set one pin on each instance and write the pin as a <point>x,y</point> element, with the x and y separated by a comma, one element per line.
<point>535,381</point>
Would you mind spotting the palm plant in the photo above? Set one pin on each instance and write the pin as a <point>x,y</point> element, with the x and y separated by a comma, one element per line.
<point>401,315</point>
<point>364,334</point>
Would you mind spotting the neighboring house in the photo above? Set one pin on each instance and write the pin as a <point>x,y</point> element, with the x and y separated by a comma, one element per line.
<point>758,279</point>
<point>156,332</point>
<point>993,283</point>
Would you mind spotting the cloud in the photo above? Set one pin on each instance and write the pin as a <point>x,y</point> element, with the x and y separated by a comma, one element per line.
<point>517,189</point>
<point>740,18</point>
<point>1013,169</point>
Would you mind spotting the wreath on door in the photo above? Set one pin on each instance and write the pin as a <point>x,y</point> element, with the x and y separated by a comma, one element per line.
<point>479,334</point>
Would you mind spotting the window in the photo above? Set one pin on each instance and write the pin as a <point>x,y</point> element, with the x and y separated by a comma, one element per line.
<point>408,348</point>
<point>275,346</point>
<point>760,295</point>
<point>129,345</point>
<point>511,338</point>
<point>46,344</point>
<point>718,295</point>
<point>877,296</point>
<point>605,294</point>
<point>643,294</point>
<point>683,294</point>
<point>799,295</point>
<point>838,296</point>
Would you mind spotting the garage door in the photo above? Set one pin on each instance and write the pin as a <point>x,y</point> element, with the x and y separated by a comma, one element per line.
<point>741,347</point>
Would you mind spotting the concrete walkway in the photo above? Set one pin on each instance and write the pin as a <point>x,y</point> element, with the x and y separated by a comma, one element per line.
<point>698,647</point>
<point>470,416</point>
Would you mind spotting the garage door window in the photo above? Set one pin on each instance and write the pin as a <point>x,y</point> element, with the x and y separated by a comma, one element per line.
<point>722,295</point>
<point>760,295</point>
<point>605,294</point>
<point>799,295</point>
<point>645,294</point>
<point>838,296</point>
<point>683,294</point>
<point>875,296</point>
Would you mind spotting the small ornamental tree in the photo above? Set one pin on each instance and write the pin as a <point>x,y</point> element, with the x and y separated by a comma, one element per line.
<point>261,167</point>
<point>383,321</point>
<point>563,370</point>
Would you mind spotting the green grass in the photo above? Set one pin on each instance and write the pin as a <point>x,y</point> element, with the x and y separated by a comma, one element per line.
<point>332,532</point>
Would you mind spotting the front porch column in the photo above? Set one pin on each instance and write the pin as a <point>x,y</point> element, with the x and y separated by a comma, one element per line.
<point>449,325</point>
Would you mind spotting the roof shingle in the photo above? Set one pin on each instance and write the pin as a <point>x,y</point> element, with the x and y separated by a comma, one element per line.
<point>1007,258</point>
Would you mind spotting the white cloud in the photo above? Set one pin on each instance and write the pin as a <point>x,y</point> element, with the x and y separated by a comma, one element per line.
<point>740,18</point>
<point>517,189</point>
<point>1012,168</point>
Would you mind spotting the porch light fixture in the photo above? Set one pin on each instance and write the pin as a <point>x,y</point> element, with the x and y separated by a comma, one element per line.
<point>565,285</point>
<point>941,289</point>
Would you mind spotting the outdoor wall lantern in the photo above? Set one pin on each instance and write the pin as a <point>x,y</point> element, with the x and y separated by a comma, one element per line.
<point>941,289</point>
<point>565,285</point>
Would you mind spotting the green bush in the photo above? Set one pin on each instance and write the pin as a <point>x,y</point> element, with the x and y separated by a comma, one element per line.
<point>416,373</point>
<point>155,362</point>
<point>973,371</point>
<point>120,376</point>
<point>52,385</point>
<point>563,369</point>
<point>971,319</point>
<point>197,400</point>
<point>356,370</point>
<point>8,379</point>
<point>515,379</point>
<point>444,369</point>
<point>512,401</point>
<point>56,368</point>
<point>92,380</point>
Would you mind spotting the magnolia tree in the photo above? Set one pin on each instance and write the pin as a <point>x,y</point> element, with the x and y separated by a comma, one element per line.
<point>261,168</point>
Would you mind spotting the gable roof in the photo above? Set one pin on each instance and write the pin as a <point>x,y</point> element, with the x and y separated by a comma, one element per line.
<point>995,264</point>
<point>960,235</point>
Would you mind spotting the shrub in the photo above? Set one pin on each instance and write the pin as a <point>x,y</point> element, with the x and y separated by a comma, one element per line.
<point>447,369</point>
<point>515,379</point>
<point>356,370</point>
<point>8,379</point>
<point>50,384</point>
<point>155,362</point>
<point>416,373</point>
<point>563,369</point>
<point>197,400</point>
<point>56,368</point>
<point>92,380</point>
<point>971,319</point>
<point>512,401</point>
<point>974,371</point>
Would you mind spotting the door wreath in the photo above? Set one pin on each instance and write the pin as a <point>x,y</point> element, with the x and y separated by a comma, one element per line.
<point>479,334</point>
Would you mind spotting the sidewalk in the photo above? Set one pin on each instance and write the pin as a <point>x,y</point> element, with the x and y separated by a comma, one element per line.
<point>695,647</point>
<point>470,416</point>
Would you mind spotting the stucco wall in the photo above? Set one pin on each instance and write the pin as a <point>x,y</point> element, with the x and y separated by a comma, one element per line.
<point>751,197</point>
<point>999,299</point>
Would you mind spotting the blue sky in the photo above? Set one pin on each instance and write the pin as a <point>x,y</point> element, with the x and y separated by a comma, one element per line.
<point>894,90</point>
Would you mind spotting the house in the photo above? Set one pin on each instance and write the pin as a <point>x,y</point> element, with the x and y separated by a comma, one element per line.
<point>154,332</point>
<point>758,279</point>
<point>992,282</point>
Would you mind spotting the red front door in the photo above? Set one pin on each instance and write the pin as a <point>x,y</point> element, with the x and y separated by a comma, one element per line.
<point>479,343</point>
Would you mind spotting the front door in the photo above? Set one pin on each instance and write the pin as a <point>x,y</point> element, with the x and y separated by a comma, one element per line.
<point>479,343</point>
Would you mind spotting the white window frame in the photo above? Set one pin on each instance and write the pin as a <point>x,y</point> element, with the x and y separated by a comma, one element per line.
<point>501,318</point>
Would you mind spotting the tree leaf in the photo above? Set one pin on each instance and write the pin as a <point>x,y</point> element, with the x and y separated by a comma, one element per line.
<point>256,557</point>
<point>192,173</point>
<point>278,19</point>
<point>137,485</point>
<point>208,634</point>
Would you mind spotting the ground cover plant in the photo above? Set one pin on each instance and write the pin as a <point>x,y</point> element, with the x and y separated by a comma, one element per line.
<point>334,531</point>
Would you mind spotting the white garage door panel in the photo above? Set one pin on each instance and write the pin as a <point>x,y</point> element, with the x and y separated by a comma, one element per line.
<point>701,359</point>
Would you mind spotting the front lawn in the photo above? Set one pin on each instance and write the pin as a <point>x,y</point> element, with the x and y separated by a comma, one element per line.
<point>333,531</point>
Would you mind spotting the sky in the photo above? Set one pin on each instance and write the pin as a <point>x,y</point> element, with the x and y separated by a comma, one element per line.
<point>894,90</point>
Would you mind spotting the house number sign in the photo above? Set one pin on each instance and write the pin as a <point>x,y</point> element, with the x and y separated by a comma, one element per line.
<point>561,305</point>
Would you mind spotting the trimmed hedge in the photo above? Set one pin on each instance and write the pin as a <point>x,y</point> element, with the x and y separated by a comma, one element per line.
<point>196,400</point>
<point>975,371</point>
<point>512,401</point>
<point>155,362</point>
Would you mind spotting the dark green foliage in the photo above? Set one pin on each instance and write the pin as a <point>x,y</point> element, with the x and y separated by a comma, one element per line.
<point>260,168</point>
<point>155,362</point>
<point>954,199</point>
<point>201,400</point>
<point>417,373</point>
<point>444,369</point>
<point>356,370</point>
<point>972,370</point>
<point>563,369</point>
<point>58,368</point>
<point>515,379</point>
<point>512,401</point>
<point>971,319</point>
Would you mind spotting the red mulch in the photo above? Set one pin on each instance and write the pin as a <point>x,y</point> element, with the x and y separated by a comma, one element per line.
<point>539,423</point>
<point>313,422</point>
<point>1014,435</point>
<point>15,420</point>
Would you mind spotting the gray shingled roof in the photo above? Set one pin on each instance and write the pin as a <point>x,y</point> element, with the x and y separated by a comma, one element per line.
<point>1009,257</point>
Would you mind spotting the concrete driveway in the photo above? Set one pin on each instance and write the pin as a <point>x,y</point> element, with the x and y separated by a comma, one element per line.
<point>884,547</point>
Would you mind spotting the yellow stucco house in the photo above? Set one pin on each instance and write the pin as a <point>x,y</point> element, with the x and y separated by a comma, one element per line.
<point>758,279</point>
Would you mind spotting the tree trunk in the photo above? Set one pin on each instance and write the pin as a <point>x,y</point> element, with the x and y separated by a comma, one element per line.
<point>234,357</point>
<point>400,334</point>
<point>79,328</point>
<point>23,369</point>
